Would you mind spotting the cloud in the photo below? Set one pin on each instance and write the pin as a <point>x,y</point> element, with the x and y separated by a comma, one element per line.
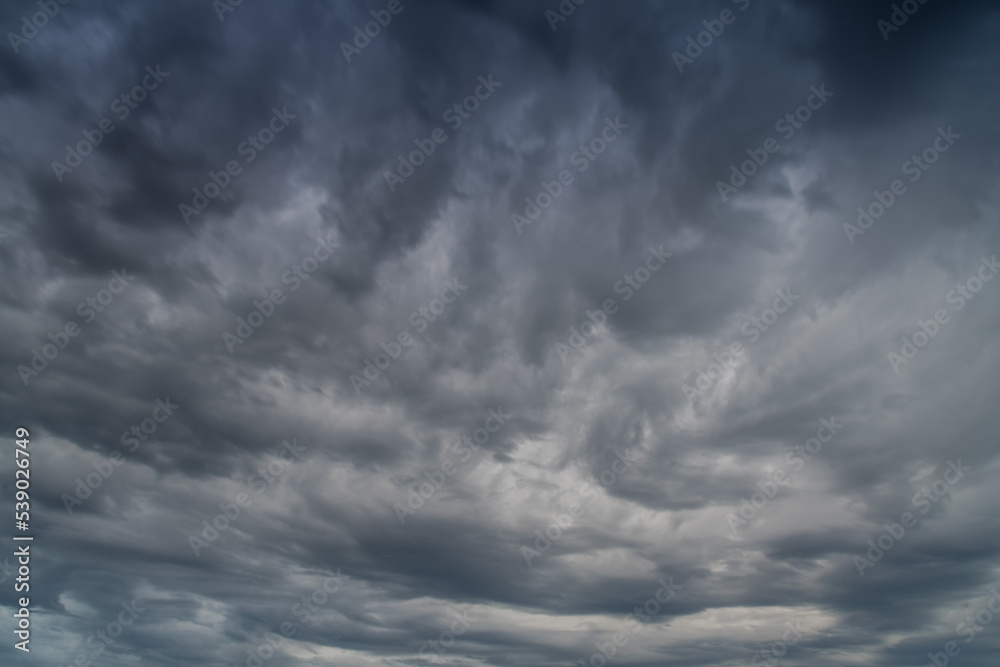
<point>495,346</point>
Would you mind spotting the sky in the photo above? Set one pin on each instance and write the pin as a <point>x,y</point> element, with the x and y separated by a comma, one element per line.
<point>471,332</point>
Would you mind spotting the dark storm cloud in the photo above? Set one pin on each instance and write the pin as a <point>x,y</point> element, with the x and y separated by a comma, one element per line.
<point>372,447</point>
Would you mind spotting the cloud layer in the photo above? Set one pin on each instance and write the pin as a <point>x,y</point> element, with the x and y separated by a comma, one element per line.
<point>491,330</point>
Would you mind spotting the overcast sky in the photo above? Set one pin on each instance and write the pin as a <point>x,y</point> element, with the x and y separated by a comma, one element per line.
<point>492,325</point>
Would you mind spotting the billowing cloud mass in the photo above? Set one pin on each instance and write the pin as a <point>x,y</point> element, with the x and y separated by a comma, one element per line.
<point>486,332</point>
